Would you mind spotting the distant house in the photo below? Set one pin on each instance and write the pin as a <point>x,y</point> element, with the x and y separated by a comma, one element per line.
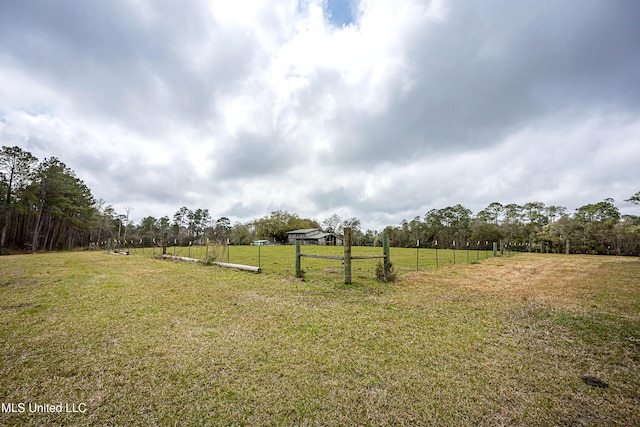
<point>313,236</point>
<point>261,243</point>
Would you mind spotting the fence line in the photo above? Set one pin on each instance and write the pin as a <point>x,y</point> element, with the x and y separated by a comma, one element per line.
<point>322,261</point>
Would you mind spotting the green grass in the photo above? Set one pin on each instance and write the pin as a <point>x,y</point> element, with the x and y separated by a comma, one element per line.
<point>143,341</point>
<point>281,259</point>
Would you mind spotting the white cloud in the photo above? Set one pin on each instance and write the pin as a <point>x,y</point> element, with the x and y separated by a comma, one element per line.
<point>251,106</point>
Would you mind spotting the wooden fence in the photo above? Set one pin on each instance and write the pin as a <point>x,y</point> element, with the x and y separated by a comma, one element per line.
<point>347,257</point>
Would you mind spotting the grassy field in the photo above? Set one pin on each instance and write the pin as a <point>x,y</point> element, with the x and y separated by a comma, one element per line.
<point>281,259</point>
<point>140,341</point>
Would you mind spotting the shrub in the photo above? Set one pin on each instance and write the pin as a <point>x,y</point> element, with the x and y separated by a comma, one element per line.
<point>215,253</point>
<point>385,275</point>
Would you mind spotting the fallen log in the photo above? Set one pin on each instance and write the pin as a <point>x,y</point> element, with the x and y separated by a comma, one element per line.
<point>118,253</point>
<point>219,264</point>
<point>182,258</point>
<point>239,266</point>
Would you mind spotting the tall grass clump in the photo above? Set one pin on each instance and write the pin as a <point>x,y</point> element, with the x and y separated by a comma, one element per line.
<point>386,275</point>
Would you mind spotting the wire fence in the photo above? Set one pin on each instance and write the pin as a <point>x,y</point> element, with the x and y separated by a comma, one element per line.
<point>280,259</point>
<point>323,269</point>
<point>415,259</point>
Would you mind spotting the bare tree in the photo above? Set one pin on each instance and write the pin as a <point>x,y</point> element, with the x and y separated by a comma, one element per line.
<point>128,210</point>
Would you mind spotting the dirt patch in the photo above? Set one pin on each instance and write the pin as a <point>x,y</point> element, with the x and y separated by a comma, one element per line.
<point>527,275</point>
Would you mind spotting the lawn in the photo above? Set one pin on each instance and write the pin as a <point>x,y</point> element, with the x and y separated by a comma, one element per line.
<point>141,341</point>
<point>280,259</point>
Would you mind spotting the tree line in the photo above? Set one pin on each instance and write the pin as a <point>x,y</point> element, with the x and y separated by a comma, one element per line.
<point>45,206</point>
<point>595,228</point>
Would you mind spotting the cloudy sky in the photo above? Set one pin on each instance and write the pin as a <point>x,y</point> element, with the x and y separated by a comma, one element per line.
<point>381,110</point>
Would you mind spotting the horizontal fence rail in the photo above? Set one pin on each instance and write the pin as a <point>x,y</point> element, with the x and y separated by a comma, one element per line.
<point>323,256</point>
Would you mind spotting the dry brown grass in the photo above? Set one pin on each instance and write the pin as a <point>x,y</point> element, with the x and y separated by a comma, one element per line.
<point>562,318</point>
<point>149,342</point>
<point>556,278</point>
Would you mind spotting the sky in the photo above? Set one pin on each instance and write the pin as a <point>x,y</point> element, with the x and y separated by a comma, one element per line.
<point>380,110</point>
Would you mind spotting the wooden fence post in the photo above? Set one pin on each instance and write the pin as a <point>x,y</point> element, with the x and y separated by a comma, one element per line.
<point>298,269</point>
<point>347,255</point>
<point>164,243</point>
<point>387,257</point>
